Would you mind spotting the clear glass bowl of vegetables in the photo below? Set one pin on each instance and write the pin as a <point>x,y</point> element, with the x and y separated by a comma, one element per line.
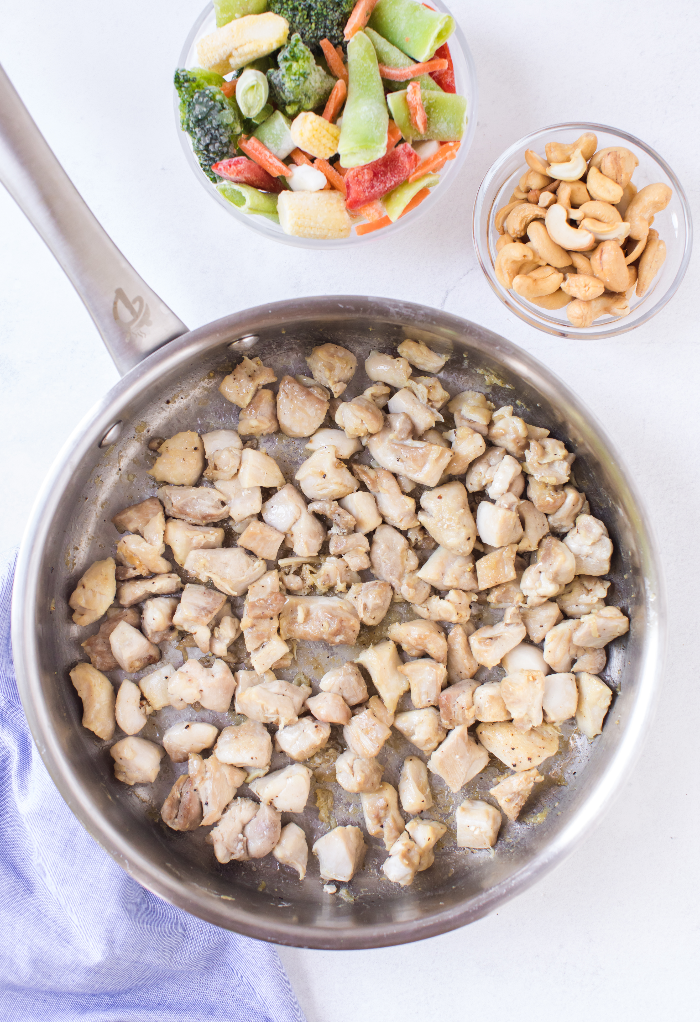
<point>306,121</point>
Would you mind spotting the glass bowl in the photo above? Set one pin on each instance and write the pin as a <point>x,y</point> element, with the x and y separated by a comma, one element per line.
<point>465,83</point>
<point>673,224</point>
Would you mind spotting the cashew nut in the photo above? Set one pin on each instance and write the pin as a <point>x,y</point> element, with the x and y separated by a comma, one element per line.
<point>581,314</point>
<point>605,232</point>
<point>650,200</point>
<point>572,170</point>
<point>651,262</point>
<point>500,218</point>
<point>548,251</point>
<point>519,218</point>
<point>546,199</point>
<point>552,302</point>
<point>519,193</point>
<point>533,179</point>
<point>581,262</point>
<point>633,253</point>
<point>628,194</point>
<point>602,187</point>
<point>545,280</point>
<point>563,234</point>
<point>617,163</point>
<point>583,286</point>
<point>535,162</point>
<point>572,194</point>
<point>558,152</point>
<point>600,211</point>
<point>503,239</point>
<point>608,264</point>
<point>512,260</point>
<point>632,281</point>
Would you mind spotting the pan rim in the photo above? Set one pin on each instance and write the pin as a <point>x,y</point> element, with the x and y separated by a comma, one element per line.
<point>25,647</point>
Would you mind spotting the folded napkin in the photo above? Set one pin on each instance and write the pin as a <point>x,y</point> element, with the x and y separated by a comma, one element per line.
<point>81,940</point>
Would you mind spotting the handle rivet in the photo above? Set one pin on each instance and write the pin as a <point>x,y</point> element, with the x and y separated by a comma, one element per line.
<point>111,435</point>
<point>244,343</point>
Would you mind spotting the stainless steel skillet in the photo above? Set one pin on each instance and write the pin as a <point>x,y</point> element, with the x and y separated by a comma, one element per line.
<point>170,386</point>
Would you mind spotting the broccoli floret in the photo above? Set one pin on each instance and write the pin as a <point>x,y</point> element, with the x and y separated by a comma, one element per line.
<point>299,83</point>
<point>212,120</point>
<point>315,19</point>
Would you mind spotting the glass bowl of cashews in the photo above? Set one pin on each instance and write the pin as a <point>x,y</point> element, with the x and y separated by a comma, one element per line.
<point>582,230</point>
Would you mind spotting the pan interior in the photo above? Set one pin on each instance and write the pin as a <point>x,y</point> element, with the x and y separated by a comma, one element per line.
<point>261,897</point>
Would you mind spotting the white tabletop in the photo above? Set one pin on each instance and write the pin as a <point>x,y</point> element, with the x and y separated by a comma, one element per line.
<point>614,929</point>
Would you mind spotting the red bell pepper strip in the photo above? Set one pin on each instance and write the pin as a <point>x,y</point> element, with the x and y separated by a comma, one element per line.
<point>403,74</point>
<point>371,181</point>
<point>446,78</point>
<point>419,118</point>
<point>385,221</point>
<point>244,171</point>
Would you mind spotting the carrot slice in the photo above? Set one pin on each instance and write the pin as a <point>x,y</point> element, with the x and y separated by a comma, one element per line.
<point>229,88</point>
<point>370,211</point>
<point>299,157</point>
<point>332,176</point>
<point>361,14</point>
<point>385,221</point>
<point>254,148</point>
<point>403,74</point>
<point>393,136</point>
<point>335,62</point>
<point>340,169</point>
<point>419,118</point>
<point>437,161</point>
<point>335,100</point>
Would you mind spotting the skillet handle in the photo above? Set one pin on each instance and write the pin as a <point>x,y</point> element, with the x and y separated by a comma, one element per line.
<point>131,318</point>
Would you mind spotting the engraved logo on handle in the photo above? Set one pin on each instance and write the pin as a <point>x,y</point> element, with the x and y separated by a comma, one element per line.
<point>133,314</point>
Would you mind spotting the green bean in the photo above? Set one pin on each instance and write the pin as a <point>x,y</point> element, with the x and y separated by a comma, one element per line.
<point>275,134</point>
<point>415,29</point>
<point>363,134</point>
<point>390,56</point>
<point>249,199</point>
<point>446,113</point>
<point>395,201</point>
<point>227,10</point>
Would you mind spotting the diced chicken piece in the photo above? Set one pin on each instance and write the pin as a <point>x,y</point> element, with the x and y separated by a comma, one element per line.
<point>259,469</point>
<point>519,750</point>
<point>97,646</point>
<point>355,774</point>
<point>560,649</point>
<point>384,667</point>
<point>359,417</point>
<point>545,498</point>
<point>182,809</point>
<point>534,524</point>
<point>130,593</point>
<point>470,408</point>
<point>426,678</point>
<point>490,644</point>
<point>136,517</point>
<point>385,369</point>
<point>262,540</point>
<point>157,619</point>
<point>259,418</point>
<point>421,415</point>
<point>458,759</point>
<point>497,526</point>
<point>345,446</point>
<point>425,834</point>
<point>414,788</point>
<point>273,702</point>
<point>508,431</point>
<point>585,595</point>
<point>342,522</point>
<point>292,849</point>
<point>97,694</point>
<point>448,519</point>
<point>467,446</point>
<point>324,476</point>
<point>599,628</point>
<point>198,505</point>
<point>244,745</point>
<point>231,569</point>
<point>222,448</point>
<point>320,619</point>
<point>240,386</point>
<point>246,831</point>
<point>197,609</point>
<point>478,824</point>
<point>563,519</point>
<point>488,703</point>
<point>129,708</point>
<point>365,734</point>
<point>131,649</point>
<point>453,607</point>
<point>508,594</point>
<point>592,661</point>
<point>354,550</point>
<point>507,479</point>
<point>180,460</point>
<point>594,698</point>
<point>347,682</point>
<point>496,568</point>
<point>215,784</point>
<point>461,663</point>
<point>590,545</point>
<point>263,603</point>
<point>94,593</point>
<point>287,512</point>
<point>332,366</point>
<point>523,692</point>
<point>525,657</point>
<point>417,460</point>
<point>382,816</point>
<point>213,687</point>
<point>303,739</point>
<point>340,853</point>
<point>136,761</point>
<point>421,356</point>
<point>447,570</point>
<point>422,728</point>
<point>403,862</point>
<point>263,832</point>
<point>429,390</point>
<point>560,698</point>
<point>513,792</point>
<point>155,688</point>
<point>482,471</point>
<point>182,538</point>
<point>300,409</point>
<point>188,736</point>
<point>390,503</point>
<point>456,704</point>
<point>540,619</point>
<point>333,573</point>
<point>393,561</point>
<point>287,790</point>
<point>548,461</point>
<point>400,427</point>
<point>416,637</point>
<point>226,631</point>
<point>329,707</point>
<point>379,393</point>
<point>243,502</point>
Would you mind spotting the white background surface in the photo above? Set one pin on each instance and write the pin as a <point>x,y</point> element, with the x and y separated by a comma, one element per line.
<point>615,929</point>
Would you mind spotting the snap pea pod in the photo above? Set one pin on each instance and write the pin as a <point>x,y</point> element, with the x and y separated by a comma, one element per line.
<point>251,92</point>
<point>363,135</point>
<point>249,199</point>
<point>227,10</point>
<point>446,113</point>
<point>276,135</point>
<point>391,56</point>
<point>395,202</point>
<point>415,29</point>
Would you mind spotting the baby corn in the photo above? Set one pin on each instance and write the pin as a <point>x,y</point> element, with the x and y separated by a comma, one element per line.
<point>319,215</point>
<point>242,41</point>
<point>315,135</point>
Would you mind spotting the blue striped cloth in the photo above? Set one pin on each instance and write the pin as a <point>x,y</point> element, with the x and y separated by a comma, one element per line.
<point>81,940</point>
